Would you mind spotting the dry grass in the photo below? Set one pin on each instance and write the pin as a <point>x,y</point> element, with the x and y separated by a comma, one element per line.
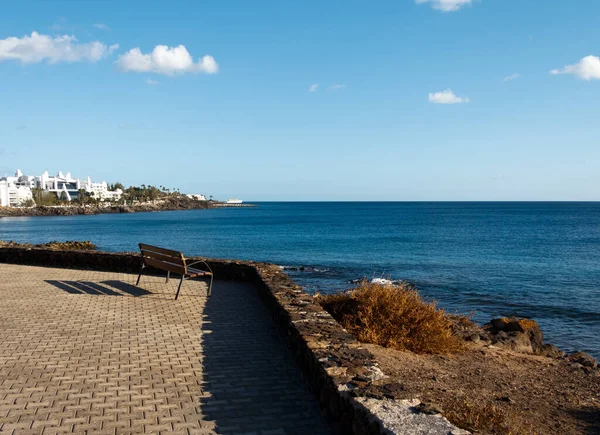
<point>487,418</point>
<point>393,316</point>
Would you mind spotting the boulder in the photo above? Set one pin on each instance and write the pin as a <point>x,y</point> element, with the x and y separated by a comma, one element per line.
<point>499,324</point>
<point>517,341</point>
<point>584,359</point>
<point>551,351</point>
<point>521,335</point>
<point>465,329</point>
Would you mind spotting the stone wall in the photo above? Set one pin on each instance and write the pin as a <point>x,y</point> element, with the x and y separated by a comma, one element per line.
<point>352,391</point>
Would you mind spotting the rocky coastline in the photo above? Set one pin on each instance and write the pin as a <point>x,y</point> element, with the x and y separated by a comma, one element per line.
<point>169,204</point>
<point>76,245</point>
<point>499,378</point>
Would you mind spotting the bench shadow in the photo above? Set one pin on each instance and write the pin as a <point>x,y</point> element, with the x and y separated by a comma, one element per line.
<point>250,379</point>
<point>590,417</point>
<point>127,288</point>
<point>94,288</point>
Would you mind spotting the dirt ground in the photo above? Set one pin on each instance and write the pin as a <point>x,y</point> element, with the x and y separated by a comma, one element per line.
<point>539,395</point>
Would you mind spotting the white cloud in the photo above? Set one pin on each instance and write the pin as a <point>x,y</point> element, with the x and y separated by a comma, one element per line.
<point>446,97</point>
<point>36,48</point>
<point>587,68</point>
<point>446,5</point>
<point>151,82</point>
<point>337,86</point>
<point>101,26</point>
<point>313,88</point>
<point>165,60</point>
<point>512,77</point>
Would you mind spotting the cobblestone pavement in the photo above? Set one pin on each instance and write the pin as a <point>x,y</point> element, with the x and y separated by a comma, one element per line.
<point>84,351</point>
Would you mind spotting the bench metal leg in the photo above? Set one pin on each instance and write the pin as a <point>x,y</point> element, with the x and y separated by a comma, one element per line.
<point>168,275</point>
<point>210,285</point>
<point>139,276</point>
<point>179,288</point>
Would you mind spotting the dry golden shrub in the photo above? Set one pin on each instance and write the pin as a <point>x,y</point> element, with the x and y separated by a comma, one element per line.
<point>393,316</point>
<point>487,418</point>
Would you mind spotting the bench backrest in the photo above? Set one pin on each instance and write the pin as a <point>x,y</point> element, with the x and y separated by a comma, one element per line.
<point>164,259</point>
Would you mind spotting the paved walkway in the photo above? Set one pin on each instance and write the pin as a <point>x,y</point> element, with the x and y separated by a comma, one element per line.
<point>88,351</point>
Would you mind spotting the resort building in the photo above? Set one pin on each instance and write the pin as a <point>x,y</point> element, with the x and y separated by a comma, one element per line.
<point>100,191</point>
<point>64,186</point>
<point>15,190</point>
<point>13,195</point>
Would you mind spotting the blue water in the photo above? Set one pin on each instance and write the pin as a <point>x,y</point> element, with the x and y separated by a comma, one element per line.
<point>538,260</point>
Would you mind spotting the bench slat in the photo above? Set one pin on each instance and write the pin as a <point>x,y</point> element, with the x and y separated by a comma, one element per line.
<point>162,257</point>
<point>163,265</point>
<point>167,252</point>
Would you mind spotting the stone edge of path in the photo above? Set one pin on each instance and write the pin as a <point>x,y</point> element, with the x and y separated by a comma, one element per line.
<point>352,391</point>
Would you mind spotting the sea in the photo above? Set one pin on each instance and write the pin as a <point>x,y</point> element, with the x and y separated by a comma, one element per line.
<point>539,260</point>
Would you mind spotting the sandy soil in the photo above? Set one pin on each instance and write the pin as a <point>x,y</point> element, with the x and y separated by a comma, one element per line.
<point>542,395</point>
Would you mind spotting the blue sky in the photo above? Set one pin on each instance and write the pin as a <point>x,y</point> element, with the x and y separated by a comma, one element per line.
<point>233,115</point>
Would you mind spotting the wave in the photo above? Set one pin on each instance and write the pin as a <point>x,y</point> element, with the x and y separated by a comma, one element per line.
<point>383,281</point>
<point>304,269</point>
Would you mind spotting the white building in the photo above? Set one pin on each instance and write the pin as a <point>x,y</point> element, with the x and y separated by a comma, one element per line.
<point>64,186</point>
<point>67,187</point>
<point>197,196</point>
<point>13,195</point>
<point>100,191</point>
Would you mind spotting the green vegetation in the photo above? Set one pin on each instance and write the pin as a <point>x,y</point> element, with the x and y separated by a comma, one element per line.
<point>116,186</point>
<point>393,316</point>
<point>131,195</point>
<point>28,203</point>
<point>145,193</point>
<point>84,198</point>
<point>42,197</point>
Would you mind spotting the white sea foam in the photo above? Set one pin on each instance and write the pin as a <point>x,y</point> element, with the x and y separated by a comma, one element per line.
<point>303,269</point>
<point>383,281</point>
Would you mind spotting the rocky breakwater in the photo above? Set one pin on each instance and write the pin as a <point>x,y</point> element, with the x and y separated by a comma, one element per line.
<point>73,245</point>
<point>174,203</point>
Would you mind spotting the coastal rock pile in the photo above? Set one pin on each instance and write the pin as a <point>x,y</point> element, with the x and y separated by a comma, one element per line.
<point>520,335</point>
<point>525,336</point>
<point>172,203</point>
<point>74,245</point>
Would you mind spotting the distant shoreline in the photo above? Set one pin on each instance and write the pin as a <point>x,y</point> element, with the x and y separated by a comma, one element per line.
<point>170,204</point>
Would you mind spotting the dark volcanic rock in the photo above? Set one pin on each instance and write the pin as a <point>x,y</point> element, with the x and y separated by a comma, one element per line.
<point>551,351</point>
<point>467,330</point>
<point>54,245</point>
<point>392,390</point>
<point>172,203</point>
<point>584,359</point>
<point>521,335</point>
<point>427,408</point>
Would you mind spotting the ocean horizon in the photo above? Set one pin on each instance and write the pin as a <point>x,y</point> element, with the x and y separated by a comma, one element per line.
<point>536,259</point>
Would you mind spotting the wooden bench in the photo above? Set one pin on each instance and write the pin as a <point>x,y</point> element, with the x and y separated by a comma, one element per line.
<point>172,261</point>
